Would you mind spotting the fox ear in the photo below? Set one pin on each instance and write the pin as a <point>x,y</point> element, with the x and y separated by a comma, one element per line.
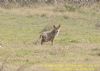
<point>59,26</point>
<point>54,26</point>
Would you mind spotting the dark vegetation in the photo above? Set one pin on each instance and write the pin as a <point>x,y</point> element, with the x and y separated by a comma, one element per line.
<point>29,3</point>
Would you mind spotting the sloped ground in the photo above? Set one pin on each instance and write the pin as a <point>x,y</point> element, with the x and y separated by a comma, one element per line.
<point>76,48</point>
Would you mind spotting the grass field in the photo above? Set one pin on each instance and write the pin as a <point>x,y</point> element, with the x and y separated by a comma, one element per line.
<point>77,48</point>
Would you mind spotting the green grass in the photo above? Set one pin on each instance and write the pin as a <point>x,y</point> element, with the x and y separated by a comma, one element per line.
<point>76,43</point>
